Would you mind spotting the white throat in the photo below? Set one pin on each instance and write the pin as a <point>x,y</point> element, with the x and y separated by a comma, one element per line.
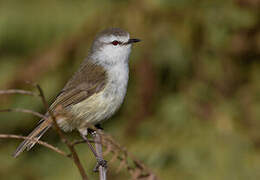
<point>114,59</point>
<point>115,62</point>
<point>110,55</point>
<point>118,74</point>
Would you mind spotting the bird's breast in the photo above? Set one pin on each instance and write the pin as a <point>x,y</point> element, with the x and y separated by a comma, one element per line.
<point>102,105</point>
<point>115,90</point>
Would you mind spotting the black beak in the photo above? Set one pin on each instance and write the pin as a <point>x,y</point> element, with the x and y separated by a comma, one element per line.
<point>130,41</point>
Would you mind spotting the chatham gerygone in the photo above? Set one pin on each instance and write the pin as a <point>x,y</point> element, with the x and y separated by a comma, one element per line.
<point>96,90</point>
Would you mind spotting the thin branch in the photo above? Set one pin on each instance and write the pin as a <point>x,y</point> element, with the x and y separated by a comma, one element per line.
<point>18,91</point>
<point>55,149</point>
<point>62,136</point>
<point>138,171</point>
<point>83,141</point>
<point>102,170</point>
<point>24,111</point>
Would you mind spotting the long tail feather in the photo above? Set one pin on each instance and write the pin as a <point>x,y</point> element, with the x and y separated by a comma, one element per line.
<point>36,134</point>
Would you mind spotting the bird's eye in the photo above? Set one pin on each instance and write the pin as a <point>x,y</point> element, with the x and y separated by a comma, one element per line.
<point>115,43</point>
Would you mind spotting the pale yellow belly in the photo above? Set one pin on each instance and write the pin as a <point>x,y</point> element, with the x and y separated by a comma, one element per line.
<point>93,110</point>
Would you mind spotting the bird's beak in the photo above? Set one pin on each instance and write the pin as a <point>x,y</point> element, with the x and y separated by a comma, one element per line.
<point>130,41</point>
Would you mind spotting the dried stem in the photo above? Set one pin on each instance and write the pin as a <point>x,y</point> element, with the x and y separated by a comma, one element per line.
<point>136,169</point>
<point>18,91</point>
<point>83,141</point>
<point>102,170</point>
<point>55,149</point>
<point>139,171</point>
<point>62,136</point>
<point>24,111</point>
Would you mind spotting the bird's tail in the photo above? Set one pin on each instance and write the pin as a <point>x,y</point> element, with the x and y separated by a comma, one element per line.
<point>36,134</point>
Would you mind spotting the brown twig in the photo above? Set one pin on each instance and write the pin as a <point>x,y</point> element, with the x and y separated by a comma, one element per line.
<point>62,136</point>
<point>55,149</point>
<point>137,169</point>
<point>24,111</point>
<point>83,141</point>
<point>17,91</point>
<point>102,169</point>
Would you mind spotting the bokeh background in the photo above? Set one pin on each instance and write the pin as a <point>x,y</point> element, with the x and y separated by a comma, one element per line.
<point>192,110</point>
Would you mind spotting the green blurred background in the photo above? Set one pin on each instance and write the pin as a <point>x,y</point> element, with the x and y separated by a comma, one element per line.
<point>193,105</point>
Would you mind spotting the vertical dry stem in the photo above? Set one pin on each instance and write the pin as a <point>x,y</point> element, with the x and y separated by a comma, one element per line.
<point>98,145</point>
<point>63,137</point>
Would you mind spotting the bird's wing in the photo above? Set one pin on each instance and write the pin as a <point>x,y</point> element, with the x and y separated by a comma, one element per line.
<point>90,79</point>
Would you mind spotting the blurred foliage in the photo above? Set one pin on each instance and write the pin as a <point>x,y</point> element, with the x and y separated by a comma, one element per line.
<point>193,106</point>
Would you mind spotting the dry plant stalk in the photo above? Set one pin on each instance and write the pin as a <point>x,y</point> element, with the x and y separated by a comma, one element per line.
<point>138,171</point>
<point>73,153</point>
<point>63,137</point>
<point>97,139</point>
<point>55,149</point>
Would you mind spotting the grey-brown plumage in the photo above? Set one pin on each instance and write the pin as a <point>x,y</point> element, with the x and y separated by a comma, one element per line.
<point>91,78</point>
<point>95,91</point>
<point>114,31</point>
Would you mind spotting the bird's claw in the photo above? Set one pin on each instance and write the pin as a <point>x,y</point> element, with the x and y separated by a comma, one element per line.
<point>100,162</point>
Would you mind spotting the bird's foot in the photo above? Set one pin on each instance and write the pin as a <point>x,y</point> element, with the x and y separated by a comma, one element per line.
<point>92,131</point>
<point>100,162</point>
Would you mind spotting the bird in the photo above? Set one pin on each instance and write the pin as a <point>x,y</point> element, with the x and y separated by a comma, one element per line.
<point>96,90</point>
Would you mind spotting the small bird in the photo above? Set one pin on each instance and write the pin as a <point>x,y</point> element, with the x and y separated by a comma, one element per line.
<point>95,92</point>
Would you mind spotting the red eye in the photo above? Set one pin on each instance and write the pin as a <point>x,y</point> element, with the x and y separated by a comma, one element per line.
<point>115,43</point>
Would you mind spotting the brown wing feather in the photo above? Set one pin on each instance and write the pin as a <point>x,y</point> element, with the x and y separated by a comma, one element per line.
<point>90,79</point>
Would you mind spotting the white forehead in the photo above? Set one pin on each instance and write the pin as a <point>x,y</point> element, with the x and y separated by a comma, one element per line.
<point>110,38</point>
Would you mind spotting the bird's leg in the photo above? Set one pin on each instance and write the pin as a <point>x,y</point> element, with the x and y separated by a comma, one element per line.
<point>100,160</point>
<point>96,137</point>
<point>98,145</point>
